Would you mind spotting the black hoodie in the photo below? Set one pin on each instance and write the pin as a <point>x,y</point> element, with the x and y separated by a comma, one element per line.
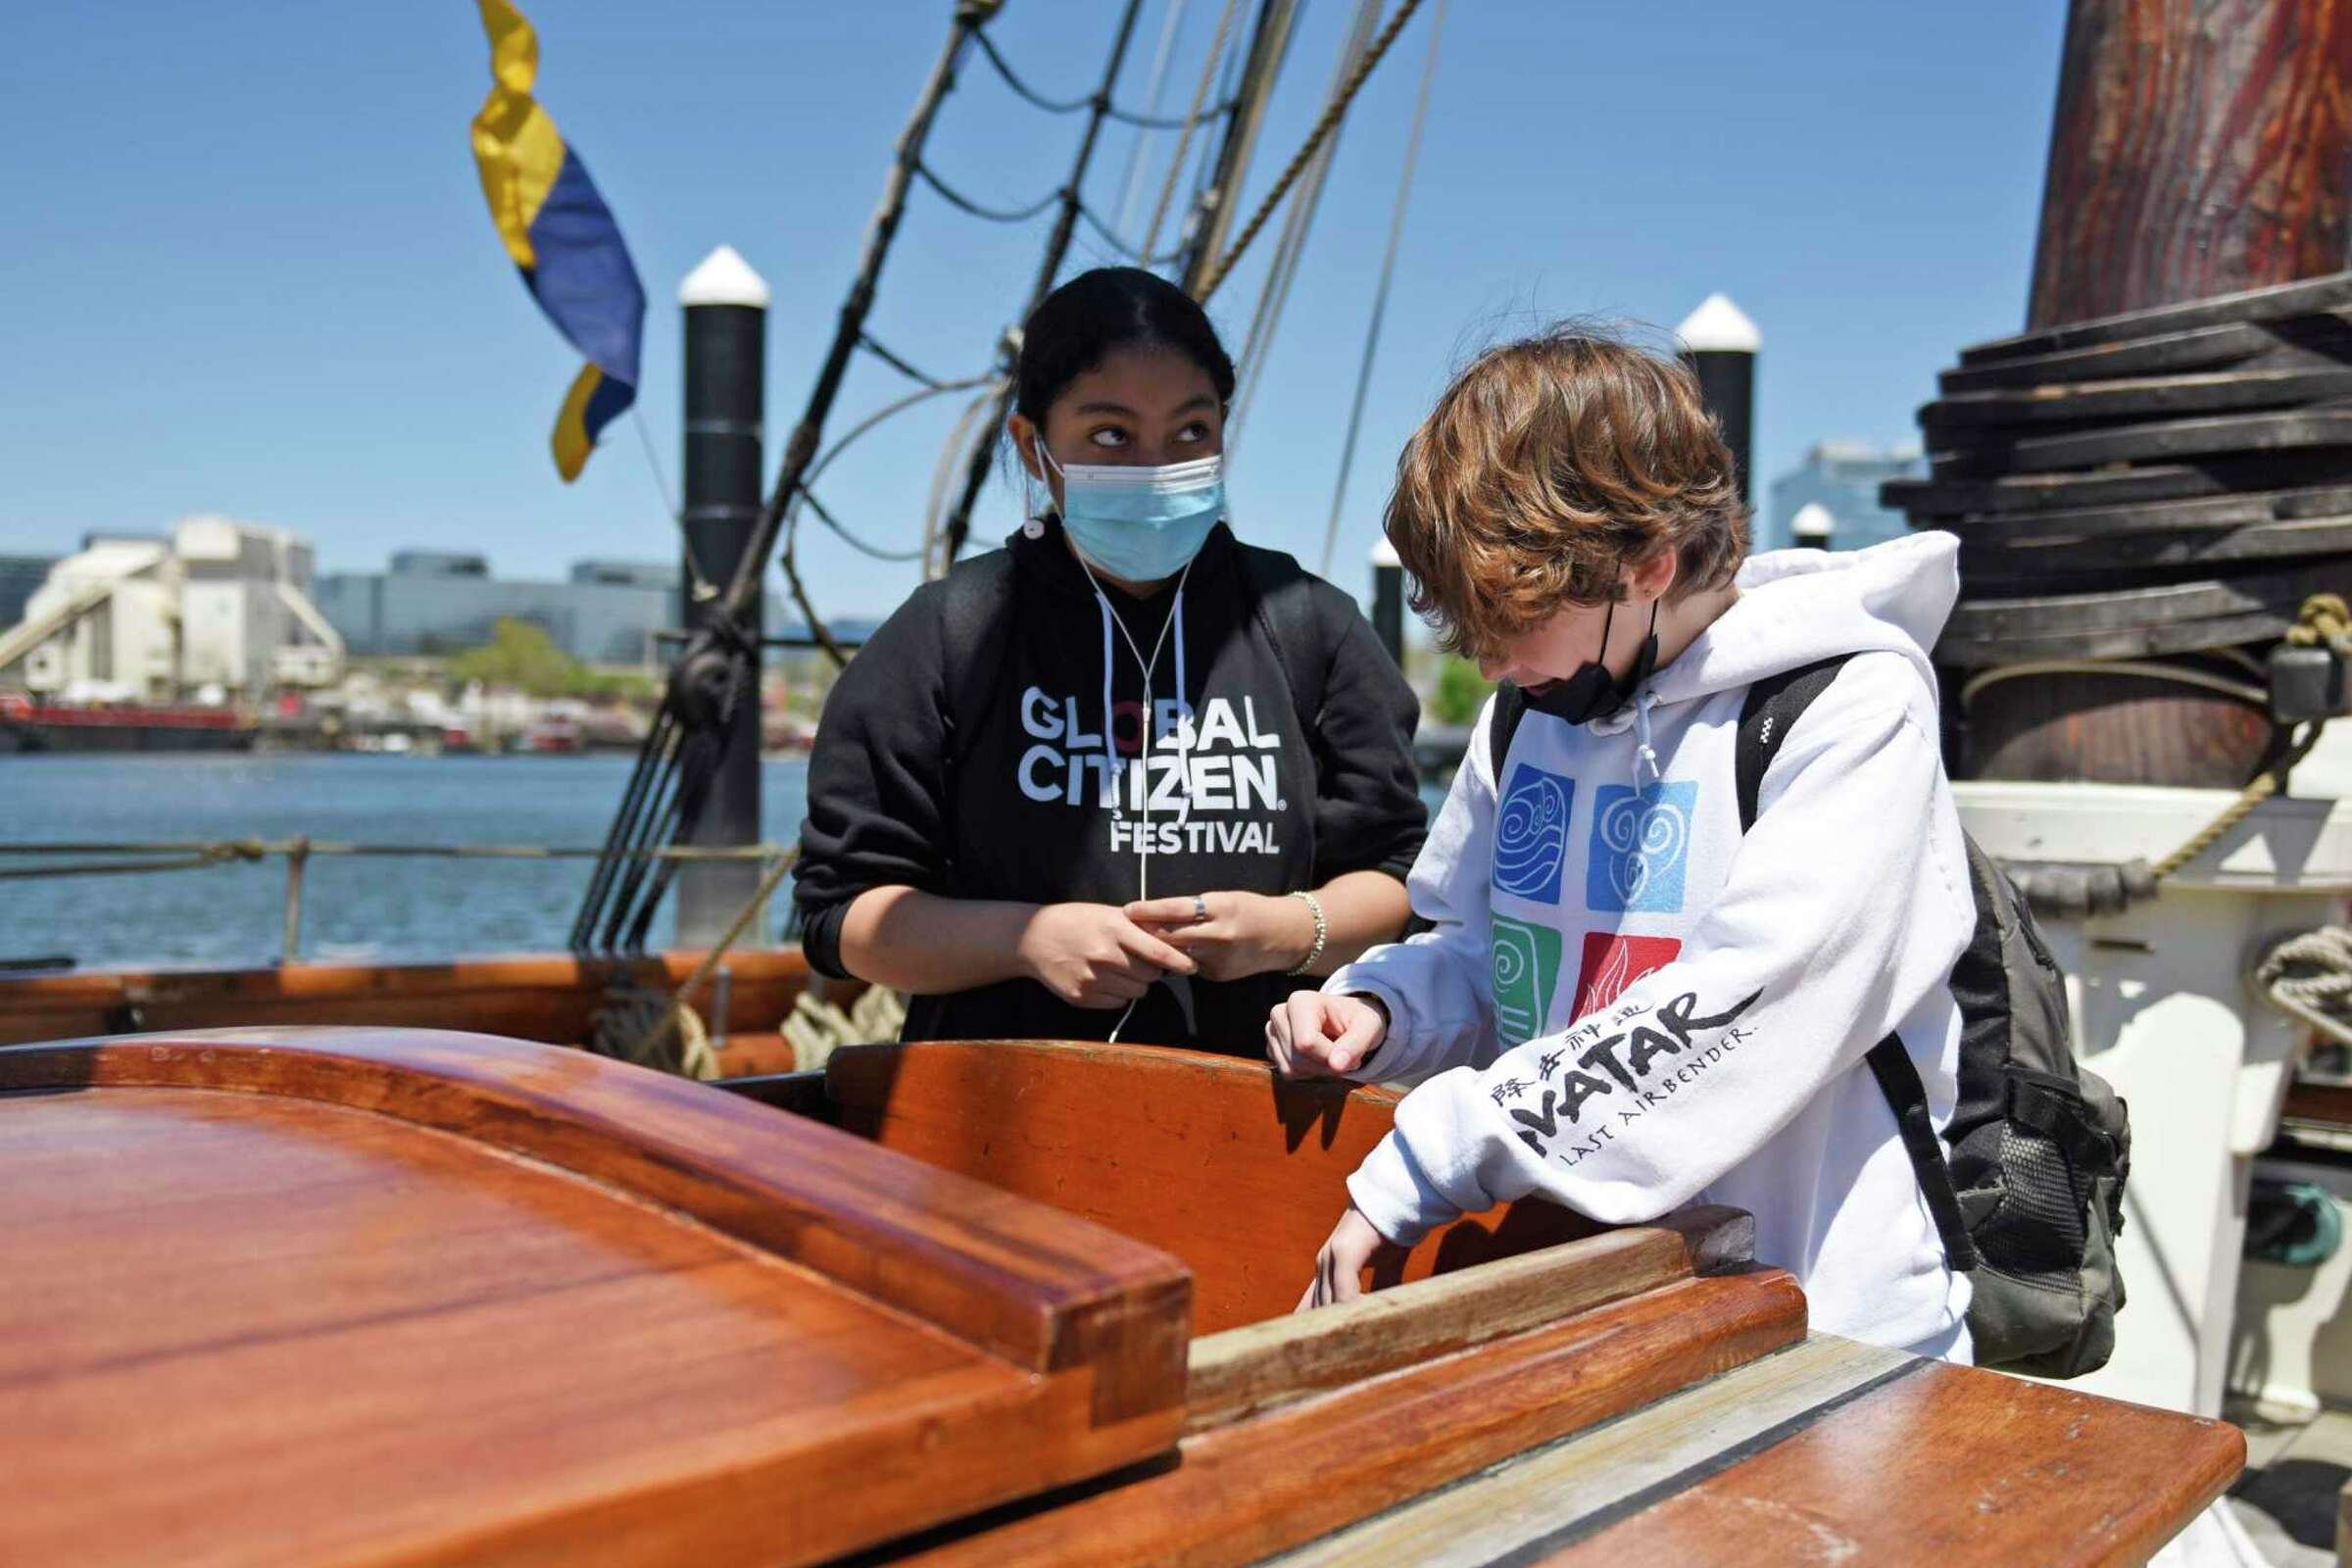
<point>1026,801</point>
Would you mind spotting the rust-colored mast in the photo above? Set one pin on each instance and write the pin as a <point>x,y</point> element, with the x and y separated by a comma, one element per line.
<point>2199,147</point>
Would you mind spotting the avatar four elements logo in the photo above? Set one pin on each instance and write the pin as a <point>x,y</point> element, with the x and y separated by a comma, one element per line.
<point>1531,834</point>
<point>1525,961</point>
<point>1640,840</point>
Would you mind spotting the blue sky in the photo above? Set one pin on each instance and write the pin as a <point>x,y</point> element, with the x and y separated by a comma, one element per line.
<point>248,267</point>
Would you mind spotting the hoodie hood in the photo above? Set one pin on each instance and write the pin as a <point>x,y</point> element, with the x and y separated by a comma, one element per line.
<point>1798,606</point>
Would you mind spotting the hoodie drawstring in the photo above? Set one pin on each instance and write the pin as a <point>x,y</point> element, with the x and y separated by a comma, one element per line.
<point>1644,751</point>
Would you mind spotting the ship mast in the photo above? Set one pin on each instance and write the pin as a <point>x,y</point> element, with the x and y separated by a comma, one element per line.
<point>2197,150</point>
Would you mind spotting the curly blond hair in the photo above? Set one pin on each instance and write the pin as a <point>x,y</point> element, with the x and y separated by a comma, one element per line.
<point>1550,468</point>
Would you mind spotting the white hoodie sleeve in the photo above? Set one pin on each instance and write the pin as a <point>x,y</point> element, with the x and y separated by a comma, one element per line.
<point>1844,909</point>
<point>1434,985</point>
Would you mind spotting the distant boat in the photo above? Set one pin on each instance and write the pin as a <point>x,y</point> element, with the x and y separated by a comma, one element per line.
<point>27,725</point>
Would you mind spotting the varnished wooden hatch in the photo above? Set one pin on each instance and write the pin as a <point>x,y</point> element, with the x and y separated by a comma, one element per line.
<point>380,1298</point>
<point>360,1296</point>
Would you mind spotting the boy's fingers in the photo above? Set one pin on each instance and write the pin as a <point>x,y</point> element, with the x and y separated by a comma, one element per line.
<point>1278,1043</point>
<point>1305,1023</point>
<point>1355,1042</point>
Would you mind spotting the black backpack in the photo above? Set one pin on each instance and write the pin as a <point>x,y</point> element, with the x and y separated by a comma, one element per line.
<point>2027,1184</point>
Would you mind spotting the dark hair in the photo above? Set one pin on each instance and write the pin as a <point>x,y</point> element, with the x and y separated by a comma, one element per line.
<point>1079,325</point>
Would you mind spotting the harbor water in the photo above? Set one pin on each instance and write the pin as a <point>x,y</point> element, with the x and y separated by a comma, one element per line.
<point>354,908</point>
<point>362,909</point>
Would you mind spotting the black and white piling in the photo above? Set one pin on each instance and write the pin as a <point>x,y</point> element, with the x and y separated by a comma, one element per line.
<point>1720,345</point>
<point>1388,599</point>
<point>726,357</point>
<point>1813,527</point>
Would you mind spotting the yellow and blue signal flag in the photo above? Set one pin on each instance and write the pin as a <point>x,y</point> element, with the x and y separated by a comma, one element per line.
<point>560,234</point>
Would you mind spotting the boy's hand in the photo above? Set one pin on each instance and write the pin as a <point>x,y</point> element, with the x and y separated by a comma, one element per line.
<point>1244,934</point>
<point>1340,1266</point>
<point>1092,955</point>
<point>1318,1036</point>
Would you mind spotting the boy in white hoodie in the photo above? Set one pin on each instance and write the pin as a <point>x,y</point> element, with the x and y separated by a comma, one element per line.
<point>1624,1003</point>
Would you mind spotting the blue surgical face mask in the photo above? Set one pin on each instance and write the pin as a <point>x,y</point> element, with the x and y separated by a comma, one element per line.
<point>1139,524</point>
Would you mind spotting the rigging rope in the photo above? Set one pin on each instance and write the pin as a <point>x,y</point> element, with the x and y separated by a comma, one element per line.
<point>1156,82</point>
<point>1274,295</point>
<point>2323,617</point>
<point>1057,247</point>
<point>954,455</point>
<point>628,1004</point>
<point>1069,106</point>
<point>699,582</point>
<point>1380,291</point>
<point>1052,106</point>
<point>1094,221</point>
<point>808,498</point>
<point>871,345</point>
<point>801,447</point>
<point>994,215</point>
<point>2145,670</point>
<point>1165,122</point>
<point>1324,126</point>
<point>1192,118</point>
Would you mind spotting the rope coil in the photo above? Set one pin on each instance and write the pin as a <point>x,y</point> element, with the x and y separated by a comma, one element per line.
<point>2309,978</point>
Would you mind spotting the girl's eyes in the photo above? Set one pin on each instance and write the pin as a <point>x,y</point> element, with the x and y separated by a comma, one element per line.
<point>1111,437</point>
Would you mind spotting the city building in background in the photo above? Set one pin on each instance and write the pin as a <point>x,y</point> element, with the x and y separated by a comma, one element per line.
<point>217,608</point>
<point>435,602</point>
<point>1842,479</point>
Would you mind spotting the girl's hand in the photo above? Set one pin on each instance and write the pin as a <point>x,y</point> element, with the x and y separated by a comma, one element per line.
<point>1244,934</point>
<point>1317,1035</point>
<point>1092,955</point>
<point>1340,1266</point>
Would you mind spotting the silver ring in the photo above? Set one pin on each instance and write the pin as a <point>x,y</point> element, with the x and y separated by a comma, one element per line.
<point>1200,908</point>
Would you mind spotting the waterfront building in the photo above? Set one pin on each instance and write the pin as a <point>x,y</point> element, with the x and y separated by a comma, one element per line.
<point>215,604</point>
<point>1842,479</point>
<point>436,602</point>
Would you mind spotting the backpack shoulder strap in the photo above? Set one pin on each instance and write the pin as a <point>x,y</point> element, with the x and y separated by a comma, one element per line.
<point>1772,709</point>
<point>1510,707</point>
<point>1286,608</point>
<point>1774,706</point>
<point>1907,1098</point>
<point>975,627</point>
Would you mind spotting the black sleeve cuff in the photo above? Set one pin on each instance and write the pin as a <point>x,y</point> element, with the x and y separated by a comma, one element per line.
<point>820,940</point>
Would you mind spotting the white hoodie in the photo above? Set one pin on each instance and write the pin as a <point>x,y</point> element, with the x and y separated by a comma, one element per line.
<point>1627,1007</point>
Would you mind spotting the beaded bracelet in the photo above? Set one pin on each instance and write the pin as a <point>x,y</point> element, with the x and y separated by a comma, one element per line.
<point>1322,933</point>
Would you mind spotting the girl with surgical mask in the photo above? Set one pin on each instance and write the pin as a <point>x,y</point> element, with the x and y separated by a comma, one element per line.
<point>1127,776</point>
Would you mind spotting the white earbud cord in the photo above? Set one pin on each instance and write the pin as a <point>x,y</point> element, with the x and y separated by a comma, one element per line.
<point>1117,768</point>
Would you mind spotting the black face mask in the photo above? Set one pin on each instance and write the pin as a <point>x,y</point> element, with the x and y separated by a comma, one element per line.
<point>1591,692</point>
